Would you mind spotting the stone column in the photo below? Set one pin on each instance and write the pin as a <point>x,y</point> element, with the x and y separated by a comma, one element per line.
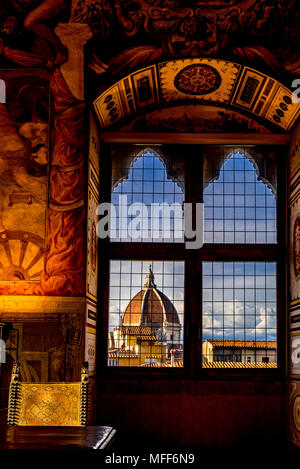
<point>74,37</point>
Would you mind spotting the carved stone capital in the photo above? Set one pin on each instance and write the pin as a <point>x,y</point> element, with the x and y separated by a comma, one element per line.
<point>74,36</point>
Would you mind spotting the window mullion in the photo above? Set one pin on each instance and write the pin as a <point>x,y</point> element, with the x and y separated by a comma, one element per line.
<point>193,309</point>
<point>103,253</point>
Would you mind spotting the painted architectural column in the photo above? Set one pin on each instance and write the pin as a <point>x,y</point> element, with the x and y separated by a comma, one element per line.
<point>74,36</point>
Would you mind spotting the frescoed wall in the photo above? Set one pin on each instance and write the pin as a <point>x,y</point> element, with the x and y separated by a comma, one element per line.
<point>24,156</point>
<point>93,202</point>
<point>201,119</point>
<point>35,247</point>
<point>50,349</point>
<point>294,308</point>
<point>92,261</point>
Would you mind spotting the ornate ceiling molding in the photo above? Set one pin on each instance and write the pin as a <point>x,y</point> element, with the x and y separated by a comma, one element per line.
<point>130,33</point>
<point>198,81</point>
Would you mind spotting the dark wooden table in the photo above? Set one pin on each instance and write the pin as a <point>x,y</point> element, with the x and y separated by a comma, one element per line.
<point>92,437</point>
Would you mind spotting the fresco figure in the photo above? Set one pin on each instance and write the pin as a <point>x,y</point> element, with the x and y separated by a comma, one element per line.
<point>41,12</point>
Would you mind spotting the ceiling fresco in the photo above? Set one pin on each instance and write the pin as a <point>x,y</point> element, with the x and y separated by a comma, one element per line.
<point>193,118</point>
<point>137,32</point>
<point>129,34</point>
<point>201,82</point>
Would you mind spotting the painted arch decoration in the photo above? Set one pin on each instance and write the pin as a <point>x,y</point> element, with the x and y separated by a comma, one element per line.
<point>200,81</point>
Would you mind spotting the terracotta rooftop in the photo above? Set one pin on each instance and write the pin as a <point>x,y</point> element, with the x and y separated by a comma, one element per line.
<point>179,364</point>
<point>238,365</point>
<point>119,353</point>
<point>141,332</point>
<point>256,344</point>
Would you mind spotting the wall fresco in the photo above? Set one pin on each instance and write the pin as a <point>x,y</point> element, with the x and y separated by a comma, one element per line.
<point>23,175</point>
<point>200,119</point>
<point>92,247</point>
<point>295,412</point>
<point>295,250</point>
<point>294,305</point>
<point>93,202</point>
<point>49,349</point>
<point>294,206</point>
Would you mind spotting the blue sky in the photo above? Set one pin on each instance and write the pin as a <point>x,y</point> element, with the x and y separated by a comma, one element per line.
<point>239,207</point>
<point>148,183</point>
<point>239,299</point>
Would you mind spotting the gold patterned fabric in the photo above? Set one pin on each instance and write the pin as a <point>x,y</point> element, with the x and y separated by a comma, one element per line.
<point>48,404</point>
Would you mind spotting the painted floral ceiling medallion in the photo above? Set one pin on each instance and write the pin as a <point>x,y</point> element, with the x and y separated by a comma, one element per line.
<point>198,79</point>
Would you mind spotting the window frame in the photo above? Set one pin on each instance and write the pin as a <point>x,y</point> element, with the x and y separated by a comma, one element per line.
<point>193,263</point>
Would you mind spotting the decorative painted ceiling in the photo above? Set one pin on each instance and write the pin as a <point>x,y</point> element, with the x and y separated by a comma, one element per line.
<point>205,82</point>
<point>129,34</point>
<point>156,45</point>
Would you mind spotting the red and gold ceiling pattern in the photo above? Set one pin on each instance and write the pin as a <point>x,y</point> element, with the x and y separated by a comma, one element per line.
<point>199,81</point>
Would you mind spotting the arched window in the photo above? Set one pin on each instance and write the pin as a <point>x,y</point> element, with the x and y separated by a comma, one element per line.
<point>240,207</point>
<point>167,306</point>
<point>148,203</point>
